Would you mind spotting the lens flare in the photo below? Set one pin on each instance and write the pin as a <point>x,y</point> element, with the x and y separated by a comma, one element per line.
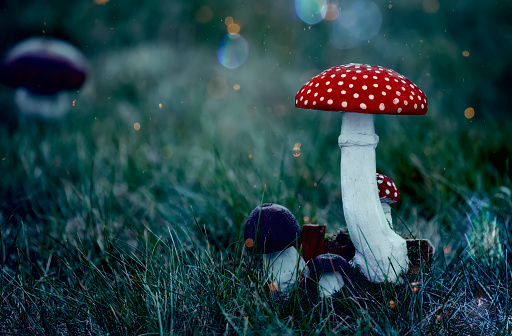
<point>311,11</point>
<point>358,22</point>
<point>233,51</point>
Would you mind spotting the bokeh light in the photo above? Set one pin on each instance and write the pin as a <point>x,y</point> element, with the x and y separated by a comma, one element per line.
<point>233,51</point>
<point>465,53</point>
<point>100,2</point>
<point>332,12</point>
<point>311,11</point>
<point>469,112</point>
<point>430,6</point>
<point>229,21</point>
<point>233,28</point>
<point>166,152</point>
<point>136,126</point>
<point>203,14</point>
<point>296,149</point>
<point>358,22</point>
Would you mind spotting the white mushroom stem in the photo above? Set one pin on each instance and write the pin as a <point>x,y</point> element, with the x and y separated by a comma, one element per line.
<point>386,208</point>
<point>330,283</point>
<point>44,106</point>
<point>381,254</point>
<point>284,267</point>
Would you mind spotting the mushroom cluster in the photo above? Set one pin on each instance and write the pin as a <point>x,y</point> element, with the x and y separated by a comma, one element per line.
<point>273,232</point>
<point>43,70</point>
<point>360,91</point>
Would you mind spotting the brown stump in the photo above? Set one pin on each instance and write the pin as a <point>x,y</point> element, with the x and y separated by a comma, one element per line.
<point>312,241</point>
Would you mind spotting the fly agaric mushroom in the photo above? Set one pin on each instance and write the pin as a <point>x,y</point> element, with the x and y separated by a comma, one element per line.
<point>360,91</point>
<point>329,269</point>
<point>388,194</point>
<point>272,231</point>
<point>43,70</point>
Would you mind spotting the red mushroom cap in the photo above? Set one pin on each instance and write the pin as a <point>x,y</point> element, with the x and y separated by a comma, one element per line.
<point>364,89</point>
<point>44,66</point>
<point>388,192</point>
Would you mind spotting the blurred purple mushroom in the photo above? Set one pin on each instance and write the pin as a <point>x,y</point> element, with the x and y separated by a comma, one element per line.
<point>43,71</point>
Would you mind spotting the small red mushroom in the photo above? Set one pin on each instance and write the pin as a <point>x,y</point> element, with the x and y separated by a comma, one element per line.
<point>388,194</point>
<point>360,91</point>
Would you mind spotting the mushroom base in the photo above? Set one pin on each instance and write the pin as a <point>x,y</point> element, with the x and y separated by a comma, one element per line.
<point>330,283</point>
<point>285,267</point>
<point>42,106</point>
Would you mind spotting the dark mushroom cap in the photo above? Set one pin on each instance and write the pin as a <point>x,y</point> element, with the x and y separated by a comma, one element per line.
<point>44,66</point>
<point>271,228</point>
<point>329,262</point>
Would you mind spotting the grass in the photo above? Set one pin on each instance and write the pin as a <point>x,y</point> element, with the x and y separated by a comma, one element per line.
<point>109,230</point>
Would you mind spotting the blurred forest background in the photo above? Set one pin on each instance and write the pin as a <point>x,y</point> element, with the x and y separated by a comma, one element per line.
<point>179,113</point>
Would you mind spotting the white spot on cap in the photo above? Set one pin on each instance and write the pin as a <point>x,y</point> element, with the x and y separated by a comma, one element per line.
<point>343,75</point>
<point>398,93</point>
<point>343,91</point>
<point>382,106</point>
<point>422,106</point>
<point>365,76</point>
<point>314,102</point>
<point>333,75</point>
<point>406,102</point>
<point>387,192</point>
<point>301,97</point>
<point>305,102</point>
<point>388,87</point>
<point>330,102</point>
<point>415,106</point>
<point>344,104</point>
<point>383,93</point>
<point>316,94</point>
<point>356,95</point>
<point>365,87</point>
<point>309,91</point>
<point>317,84</point>
<point>386,79</point>
<point>351,86</point>
<point>327,83</point>
<point>329,90</point>
<point>322,98</point>
<point>340,83</point>
<point>399,109</point>
<point>363,106</point>
<point>371,97</point>
<point>296,101</point>
<point>395,101</point>
<point>375,85</point>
